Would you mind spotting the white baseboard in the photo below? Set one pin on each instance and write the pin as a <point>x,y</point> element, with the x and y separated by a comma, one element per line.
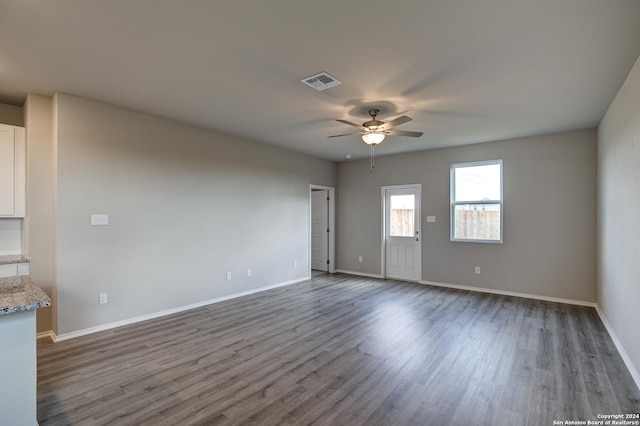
<point>49,334</point>
<point>103,327</point>
<point>362,274</point>
<point>482,290</point>
<point>511,293</point>
<point>625,357</point>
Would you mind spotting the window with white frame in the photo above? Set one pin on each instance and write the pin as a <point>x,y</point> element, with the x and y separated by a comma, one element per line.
<point>476,201</point>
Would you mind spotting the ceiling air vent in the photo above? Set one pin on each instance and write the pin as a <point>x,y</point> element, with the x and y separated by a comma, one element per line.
<point>321,81</point>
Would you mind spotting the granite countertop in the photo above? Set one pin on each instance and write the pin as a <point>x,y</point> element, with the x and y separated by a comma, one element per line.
<point>9,259</point>
<point>21,294</point>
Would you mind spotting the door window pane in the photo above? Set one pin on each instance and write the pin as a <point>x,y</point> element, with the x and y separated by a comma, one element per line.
<point>402,215</point>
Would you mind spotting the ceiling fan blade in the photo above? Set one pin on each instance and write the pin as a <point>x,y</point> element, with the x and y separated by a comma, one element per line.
<point>403,133</point>
<point>344,134</point>
<point>396,122</point>
<point>359,126</point>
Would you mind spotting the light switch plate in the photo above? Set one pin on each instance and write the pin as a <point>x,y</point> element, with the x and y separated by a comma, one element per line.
<point>99,219</point>
<point>431,218</point>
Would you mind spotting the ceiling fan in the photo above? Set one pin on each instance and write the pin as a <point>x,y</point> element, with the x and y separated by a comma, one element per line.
<point>374,131</point>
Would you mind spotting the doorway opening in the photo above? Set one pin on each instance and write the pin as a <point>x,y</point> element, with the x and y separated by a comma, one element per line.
<point>321,229</point>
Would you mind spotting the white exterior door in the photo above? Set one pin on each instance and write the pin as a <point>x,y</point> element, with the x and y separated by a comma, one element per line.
<point>319,230</point>
<point>402,246</point>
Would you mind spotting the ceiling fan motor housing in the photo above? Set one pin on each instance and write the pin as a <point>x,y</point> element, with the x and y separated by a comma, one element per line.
<point>373,124</point>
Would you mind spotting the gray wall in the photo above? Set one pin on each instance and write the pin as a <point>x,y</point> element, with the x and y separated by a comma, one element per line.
<point>39,223</point>
<point>549,215</point>
<point>185,206</point>
<point>618,208</point>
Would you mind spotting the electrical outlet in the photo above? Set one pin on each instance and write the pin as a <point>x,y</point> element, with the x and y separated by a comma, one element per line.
<point>360,259</point>
<point>103,298</point>
<point>248,272</point>
<point>431,219</point>
<point>228,275</point>
<point>478,270</point>
<point>295,264</point>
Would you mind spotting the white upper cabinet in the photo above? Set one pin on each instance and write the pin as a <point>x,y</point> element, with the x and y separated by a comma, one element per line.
<point>12,171</point>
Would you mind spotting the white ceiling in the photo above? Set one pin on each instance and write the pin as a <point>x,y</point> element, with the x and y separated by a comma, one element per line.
<point>467,71</point>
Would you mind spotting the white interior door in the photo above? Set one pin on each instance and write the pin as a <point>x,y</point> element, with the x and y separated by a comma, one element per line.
<point>319,230</point>
<point>402,246</point>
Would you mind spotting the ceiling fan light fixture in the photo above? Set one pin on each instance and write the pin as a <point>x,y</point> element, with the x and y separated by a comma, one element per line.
<point>373,138</point>
<point>374,131</point>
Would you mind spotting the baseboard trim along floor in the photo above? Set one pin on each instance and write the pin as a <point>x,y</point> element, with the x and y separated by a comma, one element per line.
<point>360,274</point>
<point>625,357</point>
<point>627,360</point>
<point>103,327</point>
<point>511,293</point>
<point>46,335</point>
<point>343,349</point>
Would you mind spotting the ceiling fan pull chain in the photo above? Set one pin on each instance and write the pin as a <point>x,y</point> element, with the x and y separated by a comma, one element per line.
<point>372,164</point>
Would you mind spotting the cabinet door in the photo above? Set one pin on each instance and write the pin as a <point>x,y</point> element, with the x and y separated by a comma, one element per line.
<point>12,171</point>
<point>7,171</point>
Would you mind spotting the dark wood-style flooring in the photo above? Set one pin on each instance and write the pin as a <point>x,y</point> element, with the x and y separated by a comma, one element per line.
<point>342,350</point>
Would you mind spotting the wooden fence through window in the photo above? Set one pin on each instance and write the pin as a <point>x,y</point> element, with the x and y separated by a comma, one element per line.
<point>402,222</point>
<point>478,224</point>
